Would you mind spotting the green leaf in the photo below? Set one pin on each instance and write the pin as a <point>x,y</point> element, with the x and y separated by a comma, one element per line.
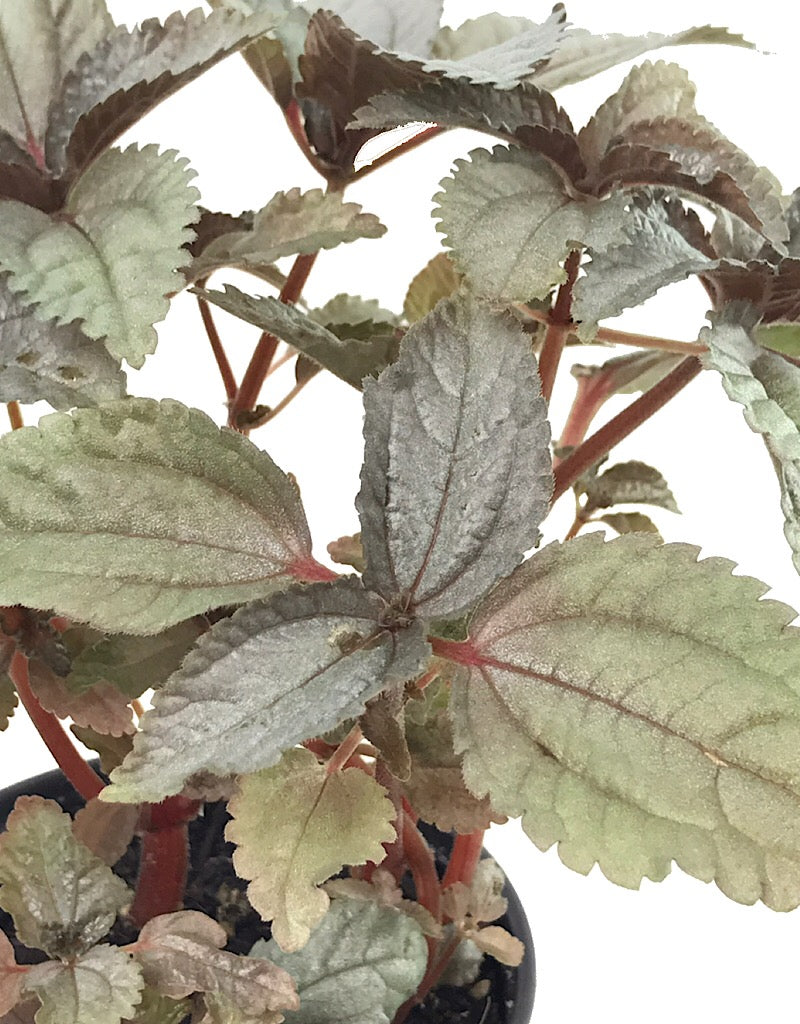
<point>101,986</point>
<point>624,375</point>
<point>63,899</point>
<point>10,978</point>
<point>510,222</point>
<point>628,483</point>
<point>581,54</point>
<point>109,258</point>
<point>780,337</point>
<point>402,26</point>
<point>351,359</point>
<point>638,707</point>
<point>8,700</point>
<point>630,522</point>
<point>477,34</point>
<point>182,953</point>
<point>291,223</point>
<point>42,361</point>
<point>437,280</point>
<point>156,1009</point>
<point>219,1010</point>
<point>145,539</point>
<point>457,471</point>
<point>525,115</point>
<point>133,70</point>
<point>112,750</point>
<point>272,675</point>
<point>295,825</point>
<point>360,965</point>
<point>58,32</point>
<point>133,664</point>
<point>664,243</point>
<point>769,389</point>
<point>346,311</point>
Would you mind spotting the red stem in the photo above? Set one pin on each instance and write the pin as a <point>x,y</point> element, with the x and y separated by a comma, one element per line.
<point>589,398</point>
<point>228,379</point>
<point>618,428</point>
<point>423,867</point>
<point>81,775</point>
<point>162,874</point>
<point>464,858</point>
<point>436,969</point>
<point>559,326</point>
<point>15,416</point>
<point>294,119</point>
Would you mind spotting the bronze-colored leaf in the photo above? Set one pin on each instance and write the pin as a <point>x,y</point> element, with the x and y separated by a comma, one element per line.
<point>773,290</point>
<point>383,724</point>
<point>102,707</point>
<point>106,829</point>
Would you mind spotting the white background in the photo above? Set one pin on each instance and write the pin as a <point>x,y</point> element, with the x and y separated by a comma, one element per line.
<point>678,951</point>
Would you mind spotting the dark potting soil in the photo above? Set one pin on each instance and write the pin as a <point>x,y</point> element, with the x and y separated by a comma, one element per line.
<point>214,889</point>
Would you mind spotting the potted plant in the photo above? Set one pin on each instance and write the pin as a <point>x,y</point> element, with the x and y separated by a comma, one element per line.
<point>633,704</point>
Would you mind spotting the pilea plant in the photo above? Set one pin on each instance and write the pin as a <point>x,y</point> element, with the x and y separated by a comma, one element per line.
<point>634,705</point>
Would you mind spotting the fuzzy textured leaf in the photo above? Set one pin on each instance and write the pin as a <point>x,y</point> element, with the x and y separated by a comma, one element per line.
<point>402,26</point>
<point>102,708</point>
<point>105,829</point>
<point>131,71</point>
<point>629,483</point>
<point>182,953</point>
<point>63,899</point>
<point>437,280</point>
<point>145,540</point>
<point>581,54</point>
<point>456,473</point>
<point>658,250</point>
<point>769,389</point>
<point>638,707</point>
<point>477,34</point>
<point>101,986</point>
<point>43,361</point>
<point>295,825</point>
<point>10,978</point>
<point>156,1009</point>
<point>345,310</point>
<point>272,675</point>
<point>773,290</point>
<point>360,965</point>
<point>626,375</point>
<point>111,257</point>
<point>58,32</point>
<point>511,224</point>
<point>630,522</point>
<point>351,359</point>
<point>133,664</point>
<point>112,750</point>
<point>8,700</point>
<point>291,223</point>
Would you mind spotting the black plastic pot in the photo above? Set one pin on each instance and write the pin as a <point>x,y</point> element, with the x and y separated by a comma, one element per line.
<point>511,991</point>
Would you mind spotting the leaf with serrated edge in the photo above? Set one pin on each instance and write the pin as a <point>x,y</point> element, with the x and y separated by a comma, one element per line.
<point>131,71</point>
<point>105,829</point>
<point>10,977</point>
<point>101,986</point>
<point>638,707</point>
<point>457,472</point>
<point>511,224</point>
<point>351,359</point>
<point>133,664</point>
<point>102,708</point>
<point>477,34</point>
<point>8,700</point>
<point>402,26</point>
<point>272,675</point>
<point>112,749</point>
<point>63,899</point>
<point>147,538</point>
<point>111,258</point>
<point>769,389</point>
<point>629,483</point>
<point>156,1009</point>
<point>295,825</point>
<point>58,33</point>
<point>581,54</point>
<point>361,963</point>
<point>44,361</point>
<point>630,522</point>
<point>350,310</point>
<point>291,223</point>
<point>182,953</point>
<point>655,253</point>
<point>437,280</point>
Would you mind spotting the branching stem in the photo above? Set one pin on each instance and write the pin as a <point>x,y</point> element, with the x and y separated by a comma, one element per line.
<point>345,750</point>
<point>610,334</point>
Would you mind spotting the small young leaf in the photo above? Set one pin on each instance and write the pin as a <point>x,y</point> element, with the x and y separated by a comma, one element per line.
<point>156,1009</point>
<point>58,33</point>
<point>351,359</point>
<point>348,551</point>
<point>769,389</point>
<point>636,707</point>
<point>295,825</point>
<point>112,749</point>
<point>131,71</point>
<point>63,899</point>
<point>658,250</point>
<point>10,978</point>
<point>101,708</point>
<point>351,311</point>
<point>111,256</point>
<point>101,986</point>
<point>402,26</point>
<point>628,483</point>
<point>219,1010</point>
<point>360,964</point>
<point>499,943</point>
<point>581,54</point>
<point>133,664</point>
<point>625,375</point>
<point>630,522</point>
<point>437,280</point>
<point>456,473</point>
<point>182,953</point>
<point>8,700</point>
<point>42,361</point>
<point>272,675</point>
<point>291,223</point>
<point>383,724</point>
<point>510,222</point>
<point>105,829</point>
<point>145,540</point>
